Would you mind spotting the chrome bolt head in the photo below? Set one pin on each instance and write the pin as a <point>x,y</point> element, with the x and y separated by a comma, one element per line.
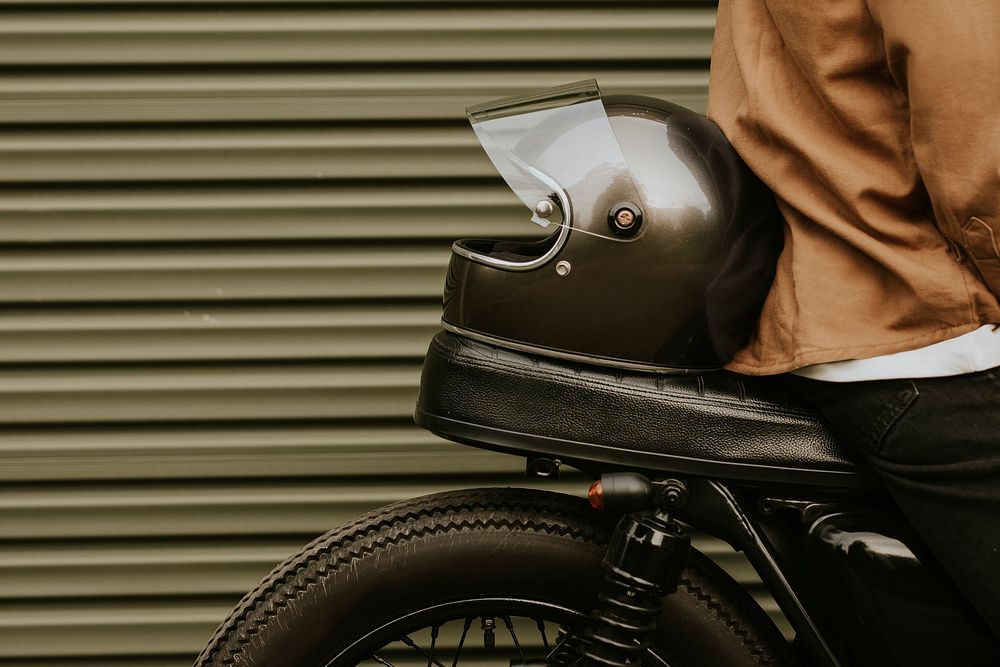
<point>544,208</point>
<point>563,268</point>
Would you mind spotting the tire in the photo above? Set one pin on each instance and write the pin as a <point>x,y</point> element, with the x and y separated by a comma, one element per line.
<point>533,553</point>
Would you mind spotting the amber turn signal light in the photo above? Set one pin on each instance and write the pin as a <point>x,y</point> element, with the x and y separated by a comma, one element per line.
<point>596,495</point>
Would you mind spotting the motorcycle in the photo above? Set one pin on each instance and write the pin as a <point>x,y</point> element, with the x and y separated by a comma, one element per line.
<point>538,578</point>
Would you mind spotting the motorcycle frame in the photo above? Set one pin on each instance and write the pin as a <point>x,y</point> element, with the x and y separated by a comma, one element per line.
<point>766,519</point>
<point>725,509</point>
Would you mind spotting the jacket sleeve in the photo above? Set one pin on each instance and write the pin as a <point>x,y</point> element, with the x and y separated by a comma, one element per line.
<point>945,57</point>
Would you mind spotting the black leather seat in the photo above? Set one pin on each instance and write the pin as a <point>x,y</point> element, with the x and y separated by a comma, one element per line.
<point>720,425</point>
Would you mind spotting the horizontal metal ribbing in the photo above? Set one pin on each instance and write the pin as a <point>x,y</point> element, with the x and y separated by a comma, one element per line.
<point>378,35</point>
<point>373,4</point>
<point>186,213</point>
<point>218,332</point>
<point>211,393</point>
<point>199,94</point>
<point>229,274</point>
<point>240,153</point>
<point>386,449</point>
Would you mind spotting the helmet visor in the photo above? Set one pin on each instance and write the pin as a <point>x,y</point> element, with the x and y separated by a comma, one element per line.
<point>558,153</point>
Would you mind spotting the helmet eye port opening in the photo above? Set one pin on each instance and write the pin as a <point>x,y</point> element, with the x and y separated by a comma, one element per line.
<point>508,250</point>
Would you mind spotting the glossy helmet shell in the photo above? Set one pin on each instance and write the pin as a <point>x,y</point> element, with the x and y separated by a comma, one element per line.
<point>680,292</point>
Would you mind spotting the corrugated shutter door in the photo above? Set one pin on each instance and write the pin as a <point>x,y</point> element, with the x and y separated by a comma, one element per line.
<point>223,229</point>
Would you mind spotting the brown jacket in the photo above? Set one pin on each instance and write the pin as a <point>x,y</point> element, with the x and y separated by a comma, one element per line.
<point>877,125</point>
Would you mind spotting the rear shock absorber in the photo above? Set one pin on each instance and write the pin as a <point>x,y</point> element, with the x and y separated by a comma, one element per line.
<point>643,562</point>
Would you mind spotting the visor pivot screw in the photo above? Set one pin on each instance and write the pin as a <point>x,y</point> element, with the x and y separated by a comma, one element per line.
<point>624,218</point>
<point>563,268</point>
<point>544,208</point>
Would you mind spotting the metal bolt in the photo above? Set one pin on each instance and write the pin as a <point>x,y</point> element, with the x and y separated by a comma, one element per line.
<point>563,268</point>
<point>674,493</point>
<point>624,218</point>
<point>544,208</point>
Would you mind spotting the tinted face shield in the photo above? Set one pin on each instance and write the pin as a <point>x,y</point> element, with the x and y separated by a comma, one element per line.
<point>558,153</point>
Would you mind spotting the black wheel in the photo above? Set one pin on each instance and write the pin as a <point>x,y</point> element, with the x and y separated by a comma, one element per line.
<point>474,577</point>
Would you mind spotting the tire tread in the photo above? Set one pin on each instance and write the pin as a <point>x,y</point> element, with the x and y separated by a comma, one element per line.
<point>453,511</point>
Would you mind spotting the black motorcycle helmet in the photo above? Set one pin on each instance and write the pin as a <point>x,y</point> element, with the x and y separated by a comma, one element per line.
<point>663,247</point>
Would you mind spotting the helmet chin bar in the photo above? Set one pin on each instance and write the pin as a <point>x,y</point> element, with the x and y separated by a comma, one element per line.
<point>534,263</point>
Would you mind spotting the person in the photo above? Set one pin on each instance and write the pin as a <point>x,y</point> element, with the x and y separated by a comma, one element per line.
<point>877,125</point>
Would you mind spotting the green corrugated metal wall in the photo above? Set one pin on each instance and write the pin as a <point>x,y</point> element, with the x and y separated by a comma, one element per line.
<point>223,229</point>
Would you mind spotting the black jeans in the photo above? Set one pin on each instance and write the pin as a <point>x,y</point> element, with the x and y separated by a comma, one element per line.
<point>935,443</point>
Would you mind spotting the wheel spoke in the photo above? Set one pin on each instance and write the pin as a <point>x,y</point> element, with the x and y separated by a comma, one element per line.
<point>423,634</point>
<point>412,644</point>
<point>461,642</point>
<point>434,638</point>
<point>510,629</point>
<point>541,629</point>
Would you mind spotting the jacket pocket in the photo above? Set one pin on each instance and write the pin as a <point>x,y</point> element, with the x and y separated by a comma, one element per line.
<point>981,242</point>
